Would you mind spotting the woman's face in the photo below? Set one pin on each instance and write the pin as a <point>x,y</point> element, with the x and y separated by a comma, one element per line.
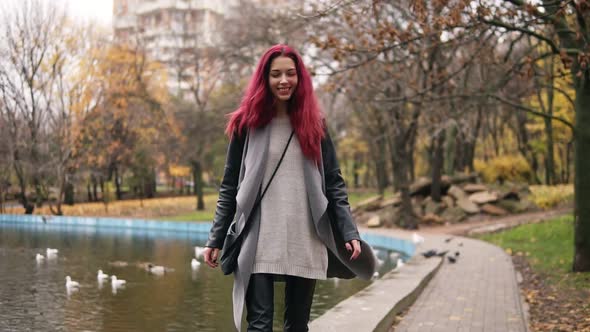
<point>282,78</point>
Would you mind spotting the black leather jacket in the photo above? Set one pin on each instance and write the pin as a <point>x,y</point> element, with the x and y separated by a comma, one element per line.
<point>338,207</point>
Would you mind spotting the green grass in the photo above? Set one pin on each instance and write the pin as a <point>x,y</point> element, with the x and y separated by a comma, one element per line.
<point>356,197</point>
<point>549,248</point>
<point>207,215</point>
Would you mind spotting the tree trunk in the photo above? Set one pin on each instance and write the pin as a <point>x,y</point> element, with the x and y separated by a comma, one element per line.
<point>494,133</point>
<point>88,192</point>
<point>149,185</point>
<point>118,192</point>
<point>154,182</point>
<point>549,160</point>
<point>549,157</point>
<point>29,208</point>
<point>355,172</point>
<point>524,146</point>
<point>437,164</point>
<point>102,191</point>
<point>568,158</point>
<point>401,175</point>
<point>450,148</point>
<point>198,183</point>
<point>69,193</point>
<point>582,176</point>
<point>411,164</point>
<point>472,139</point>
<point>380,165</point>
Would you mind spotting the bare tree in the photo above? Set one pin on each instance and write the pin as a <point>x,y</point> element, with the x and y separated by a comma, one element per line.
<point>27,79</point>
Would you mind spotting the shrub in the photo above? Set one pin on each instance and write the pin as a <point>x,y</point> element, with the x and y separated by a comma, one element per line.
<point>550,196</point>
<point>512,168</point>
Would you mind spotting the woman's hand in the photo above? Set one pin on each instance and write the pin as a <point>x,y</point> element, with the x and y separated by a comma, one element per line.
<point>211,255</point>
<point>354,245</point>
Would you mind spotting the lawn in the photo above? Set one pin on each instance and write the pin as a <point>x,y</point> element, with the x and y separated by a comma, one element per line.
<point>170,208</point>
<point>548,247</point>
<point>158,208</point>
<point>207,215</point>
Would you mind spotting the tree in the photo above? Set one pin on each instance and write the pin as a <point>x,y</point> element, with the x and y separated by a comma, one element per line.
<point>128,116</point>
<point>559,25</point>
<point>27,83</point>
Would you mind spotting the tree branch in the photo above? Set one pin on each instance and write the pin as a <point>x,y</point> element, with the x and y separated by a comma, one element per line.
<point>500,24</point>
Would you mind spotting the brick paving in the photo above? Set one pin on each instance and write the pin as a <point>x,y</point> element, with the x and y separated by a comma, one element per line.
<point>477,293</point>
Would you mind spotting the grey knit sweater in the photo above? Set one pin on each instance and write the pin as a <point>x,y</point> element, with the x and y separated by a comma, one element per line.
<point>288,243</point>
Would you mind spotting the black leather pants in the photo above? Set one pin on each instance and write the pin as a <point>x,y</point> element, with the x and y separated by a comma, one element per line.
<point>260,304</point>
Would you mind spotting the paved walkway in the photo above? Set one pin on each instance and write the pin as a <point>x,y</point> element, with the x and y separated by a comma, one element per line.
<point>477,293</point>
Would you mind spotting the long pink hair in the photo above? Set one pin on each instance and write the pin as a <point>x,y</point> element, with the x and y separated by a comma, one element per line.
<point>256,109</point>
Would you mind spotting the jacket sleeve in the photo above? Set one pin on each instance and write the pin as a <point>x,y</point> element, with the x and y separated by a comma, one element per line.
<point>226,203</point>
<point>336,192</point>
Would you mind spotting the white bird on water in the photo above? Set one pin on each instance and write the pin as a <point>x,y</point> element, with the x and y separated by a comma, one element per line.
<point>101,276</point>
<point>156,269</point>
<point>51,253</point>
<point>199,252</point>
<point>39,258</point>
<point>195,264</point>
<point>70,284</point>
<point>117,282</point>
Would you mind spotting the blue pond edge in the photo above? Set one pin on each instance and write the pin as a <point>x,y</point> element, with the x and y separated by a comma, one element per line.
<point>167,228</point>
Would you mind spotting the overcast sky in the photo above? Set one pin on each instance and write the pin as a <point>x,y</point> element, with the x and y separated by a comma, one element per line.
<point>100,11</point>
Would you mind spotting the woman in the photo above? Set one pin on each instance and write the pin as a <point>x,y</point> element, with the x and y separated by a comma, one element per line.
<point>283,182</point>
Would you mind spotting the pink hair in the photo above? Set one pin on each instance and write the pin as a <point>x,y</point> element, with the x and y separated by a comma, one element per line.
<point>256,109</point>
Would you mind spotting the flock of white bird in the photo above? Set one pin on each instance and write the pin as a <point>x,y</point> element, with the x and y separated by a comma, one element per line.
<point>116,283</point>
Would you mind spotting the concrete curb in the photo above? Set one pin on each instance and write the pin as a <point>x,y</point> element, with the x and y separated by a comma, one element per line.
<point>381,301</point>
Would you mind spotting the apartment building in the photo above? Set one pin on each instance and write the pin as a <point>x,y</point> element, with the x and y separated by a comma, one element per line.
<point>171,31</point>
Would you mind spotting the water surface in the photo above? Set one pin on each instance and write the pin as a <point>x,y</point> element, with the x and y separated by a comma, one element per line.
<point>33,295</point>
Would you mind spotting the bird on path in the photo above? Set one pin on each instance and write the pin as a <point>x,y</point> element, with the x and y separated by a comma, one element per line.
<point>399,265</point>
<point>429,253</point>
<point>417,239</point>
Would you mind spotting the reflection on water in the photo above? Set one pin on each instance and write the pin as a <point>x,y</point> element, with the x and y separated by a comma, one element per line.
<point>34,297</point>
